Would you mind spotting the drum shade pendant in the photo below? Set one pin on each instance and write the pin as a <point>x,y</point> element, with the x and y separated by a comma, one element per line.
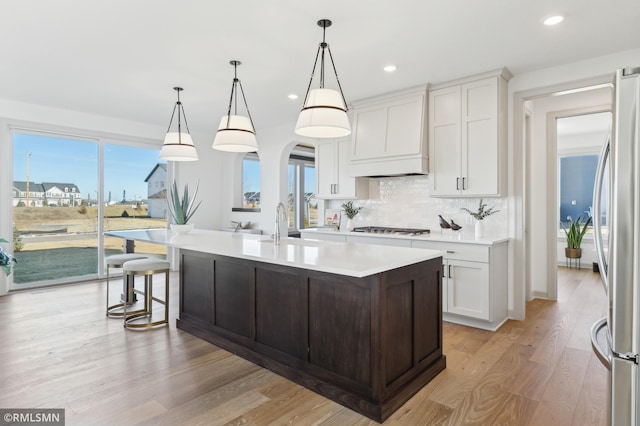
<point>236,133</point>
<point>178,146</point>
<point>324,111</point>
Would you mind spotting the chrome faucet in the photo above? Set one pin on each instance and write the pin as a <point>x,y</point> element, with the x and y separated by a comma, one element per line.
<point>281,213</point>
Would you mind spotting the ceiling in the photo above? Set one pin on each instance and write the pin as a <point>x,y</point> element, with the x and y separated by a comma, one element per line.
<point>121,58</point>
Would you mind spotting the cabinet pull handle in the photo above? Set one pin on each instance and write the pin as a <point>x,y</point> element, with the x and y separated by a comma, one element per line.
<point>337,191</point>
<point>450,272</point>
<point>450,251</point>
<point>457,184</point>
<point>463,183</point>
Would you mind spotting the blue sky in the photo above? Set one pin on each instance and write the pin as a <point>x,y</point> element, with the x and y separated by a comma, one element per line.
<point>55,159</point>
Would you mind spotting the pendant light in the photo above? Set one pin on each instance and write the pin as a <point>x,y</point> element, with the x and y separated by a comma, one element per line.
<point>236,133</point>
<point>178,146</point>
<point>324,111</point>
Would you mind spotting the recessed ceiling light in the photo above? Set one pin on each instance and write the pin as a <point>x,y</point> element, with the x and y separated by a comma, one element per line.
<point>390,68</point>
<point>292,96</point>
<point>553,20</point>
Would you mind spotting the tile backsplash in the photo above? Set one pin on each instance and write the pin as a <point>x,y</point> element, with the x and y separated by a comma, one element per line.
<point>404,202</point>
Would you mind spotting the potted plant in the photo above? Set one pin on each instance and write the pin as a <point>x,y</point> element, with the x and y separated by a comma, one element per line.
<point>350,211</point>
<point>6,260</point>
<point>182,207</point>
<point>479,216</point>
<point>574,237</point>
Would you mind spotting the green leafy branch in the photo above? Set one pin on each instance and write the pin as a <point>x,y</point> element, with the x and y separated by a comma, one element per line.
<point>482,212</point>
<point>350,210</point>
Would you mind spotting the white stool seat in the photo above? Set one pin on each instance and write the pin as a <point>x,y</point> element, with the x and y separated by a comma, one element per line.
<point>116,261</point>
<point>147,267</point>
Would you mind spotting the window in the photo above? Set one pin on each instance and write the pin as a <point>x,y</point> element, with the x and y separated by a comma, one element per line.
<point>303,205</point>
<point>56,225</point>
<point>251,181</point>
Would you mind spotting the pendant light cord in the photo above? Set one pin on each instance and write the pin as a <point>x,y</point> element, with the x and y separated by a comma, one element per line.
<point>234,89</point>
<point>180,108</point>
<point>323,45</point>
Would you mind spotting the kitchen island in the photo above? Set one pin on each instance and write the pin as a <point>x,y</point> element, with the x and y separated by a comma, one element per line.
<point>359,324</point>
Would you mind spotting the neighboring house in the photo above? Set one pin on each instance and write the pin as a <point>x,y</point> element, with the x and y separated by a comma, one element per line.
<point>157,191</point>
<point>46,194</point>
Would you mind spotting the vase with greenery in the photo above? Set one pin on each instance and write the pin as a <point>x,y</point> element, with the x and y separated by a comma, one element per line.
<point>574,234</point>
<point>182,206</point>
<point>6,260</point>
<point>350,211</point>
<point>479,215</point>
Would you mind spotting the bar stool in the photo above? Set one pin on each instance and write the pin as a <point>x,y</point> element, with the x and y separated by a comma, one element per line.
<point>116,261</point>
<point>146,267</point>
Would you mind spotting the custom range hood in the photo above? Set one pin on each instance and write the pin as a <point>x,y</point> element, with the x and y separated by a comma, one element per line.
<point>390,135</point>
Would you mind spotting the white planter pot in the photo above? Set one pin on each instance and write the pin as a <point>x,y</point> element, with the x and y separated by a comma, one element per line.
<point>350,225</point>
<point>479,229</point>
<point>181,229</point>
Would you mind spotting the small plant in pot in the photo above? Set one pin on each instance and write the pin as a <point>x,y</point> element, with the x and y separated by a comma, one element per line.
<point>182,207</point>
<point>350,211</point>
<point>6,260</point>
<point>574,234</point>
<point>479,216</point>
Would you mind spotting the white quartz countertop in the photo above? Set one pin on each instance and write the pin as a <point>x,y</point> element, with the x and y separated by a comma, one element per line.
<point>351,259</point>
<point>446,236</point>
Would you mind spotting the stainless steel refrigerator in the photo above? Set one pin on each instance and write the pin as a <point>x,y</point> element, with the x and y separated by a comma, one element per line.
<point>616,338</point>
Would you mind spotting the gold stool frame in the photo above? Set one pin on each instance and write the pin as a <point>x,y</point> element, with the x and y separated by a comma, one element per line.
<point>148,299</point>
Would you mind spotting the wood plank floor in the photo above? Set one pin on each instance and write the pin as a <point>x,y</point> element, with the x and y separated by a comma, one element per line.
<point>60,351</point>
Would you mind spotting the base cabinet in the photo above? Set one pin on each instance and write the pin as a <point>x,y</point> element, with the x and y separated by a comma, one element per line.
<point>367,343</point>
<point>467,289</point>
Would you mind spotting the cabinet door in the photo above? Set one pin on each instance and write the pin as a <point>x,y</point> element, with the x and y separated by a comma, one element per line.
<point>480,137</point>
<point>468,289</point>
<point>345,184</point>
<point>325,170</point>
<point>444,141</point>
<point>391,128</point>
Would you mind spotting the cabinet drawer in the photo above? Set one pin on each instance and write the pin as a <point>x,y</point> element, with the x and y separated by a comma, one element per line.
<point>397,242</point>
<point>456,251</point>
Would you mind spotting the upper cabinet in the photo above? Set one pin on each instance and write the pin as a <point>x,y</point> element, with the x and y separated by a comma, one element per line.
<point>332,178</point>
<point>467,136</point>
<point>389,135</point>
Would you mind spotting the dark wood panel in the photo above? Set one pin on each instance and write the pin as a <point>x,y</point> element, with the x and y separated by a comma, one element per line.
<point>428,312</point>
<point>340,328</point>
<point>281,311</point>
<point>232,295</point>
<point>196,285</point>
<point>398,329</point>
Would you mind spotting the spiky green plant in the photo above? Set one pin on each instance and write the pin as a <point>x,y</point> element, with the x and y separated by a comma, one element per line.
<point>575,233</point>
<point>182,207</point>
<point>6,260</point>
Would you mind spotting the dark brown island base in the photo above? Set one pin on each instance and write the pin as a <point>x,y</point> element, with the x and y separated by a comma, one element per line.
<point>367,343</point>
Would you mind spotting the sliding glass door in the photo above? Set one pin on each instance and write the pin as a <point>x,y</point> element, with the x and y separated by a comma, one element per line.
<point>67,192</point>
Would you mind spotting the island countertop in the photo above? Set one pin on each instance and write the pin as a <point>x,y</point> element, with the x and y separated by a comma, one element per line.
<point>350,259</point>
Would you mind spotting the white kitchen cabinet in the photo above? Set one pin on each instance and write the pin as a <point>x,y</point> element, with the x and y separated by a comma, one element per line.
<point>389,135</point>
<point>474,282</point>
<point>467,136</point>
<point>332,178</point>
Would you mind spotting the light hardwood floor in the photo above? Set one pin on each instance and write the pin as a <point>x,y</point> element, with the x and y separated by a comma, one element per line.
<point>58,350</point>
